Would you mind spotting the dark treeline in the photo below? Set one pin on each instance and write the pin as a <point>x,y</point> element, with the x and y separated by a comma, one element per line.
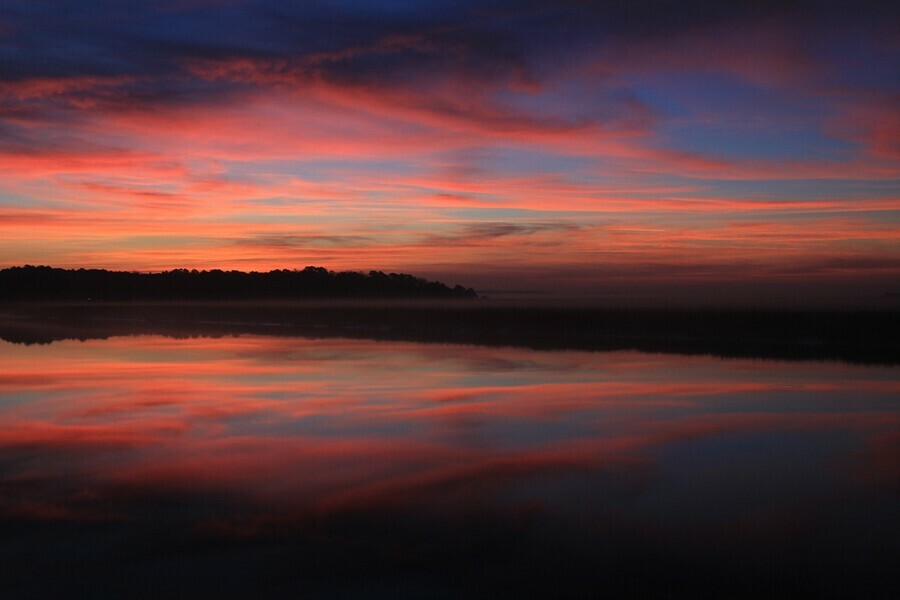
<point>854,336</point>
<point>30,283</point>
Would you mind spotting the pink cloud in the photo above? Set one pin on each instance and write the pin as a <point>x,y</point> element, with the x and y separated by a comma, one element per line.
<point>208,186</point>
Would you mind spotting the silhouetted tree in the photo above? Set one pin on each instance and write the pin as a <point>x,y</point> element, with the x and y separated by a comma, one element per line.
<point>46,283</point>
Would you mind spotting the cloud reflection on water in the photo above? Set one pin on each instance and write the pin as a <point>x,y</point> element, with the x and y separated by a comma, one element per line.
<point>432,455</point>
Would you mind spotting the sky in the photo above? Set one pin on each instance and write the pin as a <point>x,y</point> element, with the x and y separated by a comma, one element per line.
<point>572,147</point>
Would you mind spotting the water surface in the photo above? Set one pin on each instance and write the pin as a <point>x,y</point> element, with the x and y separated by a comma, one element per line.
<point>147,465</point>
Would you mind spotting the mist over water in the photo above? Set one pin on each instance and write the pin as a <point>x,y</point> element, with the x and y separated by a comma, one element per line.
<point>146,465</point>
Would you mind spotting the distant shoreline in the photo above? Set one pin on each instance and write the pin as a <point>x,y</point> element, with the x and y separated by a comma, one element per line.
<point>861,336</point>
<point>49,284</point>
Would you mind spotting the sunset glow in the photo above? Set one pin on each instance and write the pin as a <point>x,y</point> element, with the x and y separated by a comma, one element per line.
<point>323,463</point>
<point>295,426</point>
<point>567,146</point>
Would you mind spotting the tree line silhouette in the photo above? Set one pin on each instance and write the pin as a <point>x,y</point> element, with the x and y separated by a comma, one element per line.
<point>30,283</point>
<point>863,336</point>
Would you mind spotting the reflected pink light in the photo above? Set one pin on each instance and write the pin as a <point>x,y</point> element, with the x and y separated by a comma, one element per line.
<point>319,426</point>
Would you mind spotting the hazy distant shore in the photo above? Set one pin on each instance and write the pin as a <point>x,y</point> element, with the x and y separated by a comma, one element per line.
<point>852,335</point>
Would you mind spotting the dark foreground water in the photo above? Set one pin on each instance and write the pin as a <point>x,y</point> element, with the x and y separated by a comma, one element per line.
<point>260,466</point>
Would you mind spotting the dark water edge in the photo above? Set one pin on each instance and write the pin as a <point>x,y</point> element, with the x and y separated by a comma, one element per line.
<point>857,336</point>
<point>476,557</point>
<point>125,471</point>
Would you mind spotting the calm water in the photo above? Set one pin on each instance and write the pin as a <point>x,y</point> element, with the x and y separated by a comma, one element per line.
<point>257,466</point>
